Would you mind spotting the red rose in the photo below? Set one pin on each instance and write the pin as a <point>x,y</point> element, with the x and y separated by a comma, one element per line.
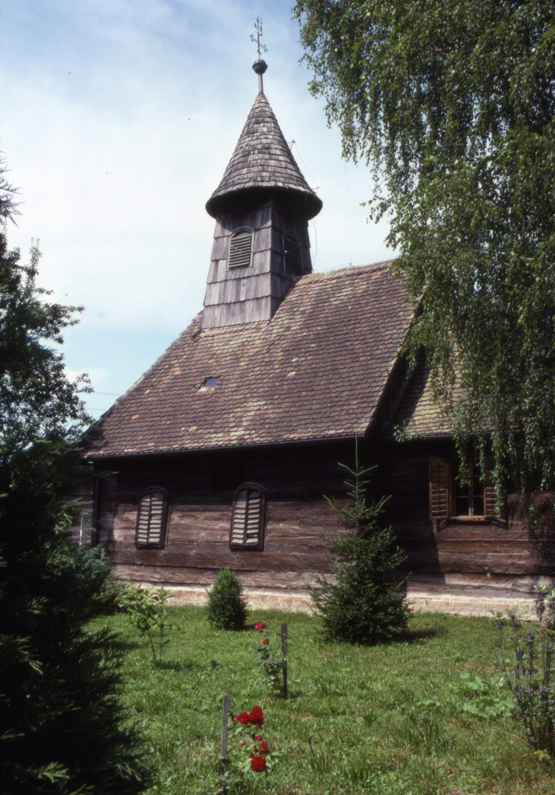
<point>255,716</point>
<point>259,627</point>
<point>242,717</point>
<point>263,748</point>
<point>258,763</point>
<point>258,737</point>
<point>264,640</point>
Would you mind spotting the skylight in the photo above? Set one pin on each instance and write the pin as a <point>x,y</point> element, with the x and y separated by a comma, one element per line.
<point>210,382</point>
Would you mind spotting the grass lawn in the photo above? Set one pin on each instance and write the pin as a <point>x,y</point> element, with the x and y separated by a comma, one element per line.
<point>421,715</point>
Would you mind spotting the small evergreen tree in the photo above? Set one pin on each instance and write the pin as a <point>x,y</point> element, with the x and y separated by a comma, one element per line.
<point>63,728</point>
<point>226,607</point>
<point>361,603</point>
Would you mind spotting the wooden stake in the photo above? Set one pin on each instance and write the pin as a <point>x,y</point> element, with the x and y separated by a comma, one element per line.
<point>283,633</point>
<point>223,752</point>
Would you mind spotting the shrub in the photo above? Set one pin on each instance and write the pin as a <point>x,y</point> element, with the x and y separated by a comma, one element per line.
<point>529,666</point>
<point>227,607</point>
<point>274,666</point>
<point>148,612</point>
<point>362,602</point>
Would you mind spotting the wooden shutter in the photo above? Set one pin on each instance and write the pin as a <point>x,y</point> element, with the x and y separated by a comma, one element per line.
<point>490,496</point>
<point>439,488</point>
<point>293,255</point>
<point>151,518</point>
<point>240,249</point>
<point>247,523</point>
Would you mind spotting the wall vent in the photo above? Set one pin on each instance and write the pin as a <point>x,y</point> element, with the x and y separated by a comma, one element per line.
<point>240,249</point>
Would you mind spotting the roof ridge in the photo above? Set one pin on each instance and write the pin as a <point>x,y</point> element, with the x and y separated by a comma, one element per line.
<point>329,274</point>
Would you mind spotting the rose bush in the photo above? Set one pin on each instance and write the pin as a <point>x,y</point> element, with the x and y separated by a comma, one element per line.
<point>258,759</point>
<point>258,763</point>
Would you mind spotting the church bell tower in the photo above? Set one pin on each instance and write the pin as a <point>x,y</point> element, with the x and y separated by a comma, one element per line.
<point>262,207</point>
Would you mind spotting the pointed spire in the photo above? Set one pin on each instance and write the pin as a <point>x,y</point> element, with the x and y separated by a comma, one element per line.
<point>262,160</point>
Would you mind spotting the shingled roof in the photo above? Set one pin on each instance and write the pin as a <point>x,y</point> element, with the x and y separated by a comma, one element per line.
<point>418,415</point>
<point>262,159</point>
<point>315,371</point>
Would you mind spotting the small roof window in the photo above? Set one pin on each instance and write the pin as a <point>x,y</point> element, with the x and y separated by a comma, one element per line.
<point>210,382</point>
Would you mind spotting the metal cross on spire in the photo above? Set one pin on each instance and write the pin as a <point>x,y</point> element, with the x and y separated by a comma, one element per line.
<point>260,65</point>
<point>256,39</point>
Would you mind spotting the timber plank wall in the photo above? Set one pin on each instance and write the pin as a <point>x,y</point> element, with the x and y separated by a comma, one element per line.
<point>449,557</point>
<point>201,490</point>
<point>460,555</point>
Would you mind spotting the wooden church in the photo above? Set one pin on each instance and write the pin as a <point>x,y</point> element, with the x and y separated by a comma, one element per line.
<point>222,452</point>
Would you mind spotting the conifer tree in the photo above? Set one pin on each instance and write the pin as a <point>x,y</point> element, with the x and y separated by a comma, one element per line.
<point>62,725</point>
<point>363,600</point>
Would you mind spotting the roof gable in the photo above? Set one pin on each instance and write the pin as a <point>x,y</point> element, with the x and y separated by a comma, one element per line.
<point>316,371</point>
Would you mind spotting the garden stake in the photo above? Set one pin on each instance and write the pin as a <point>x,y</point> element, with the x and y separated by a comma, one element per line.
<point>223,751</point>
<point>283,635</point>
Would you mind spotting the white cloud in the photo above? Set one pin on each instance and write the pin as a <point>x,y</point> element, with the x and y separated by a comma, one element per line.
<point>118,119</point>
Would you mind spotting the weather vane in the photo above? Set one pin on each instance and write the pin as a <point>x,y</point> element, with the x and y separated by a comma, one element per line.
<point>260,65</point>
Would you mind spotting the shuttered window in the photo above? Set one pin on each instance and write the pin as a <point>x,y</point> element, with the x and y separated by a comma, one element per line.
<point>247,522</point>
<point>449,498</point>
<point>151,518</point>
<point>439,488</point>
<point>240,248</point>
<point>293,255</point>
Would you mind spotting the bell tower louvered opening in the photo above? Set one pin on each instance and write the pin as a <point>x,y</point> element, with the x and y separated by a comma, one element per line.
<point>151,519</point>
<point>240,249</point>
<point>247,523</point>
<point>293,255</point>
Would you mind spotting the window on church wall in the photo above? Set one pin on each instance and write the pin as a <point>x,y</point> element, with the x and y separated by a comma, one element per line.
<point>151,519</point>
<point>240,248</point>
<point>248,517</point>
<point>449,498</point>
<point>293,255</point>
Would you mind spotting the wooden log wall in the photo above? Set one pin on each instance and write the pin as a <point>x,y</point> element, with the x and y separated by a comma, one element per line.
<point>201,490</point>
<point>462,553</point>
<point>447,556</point>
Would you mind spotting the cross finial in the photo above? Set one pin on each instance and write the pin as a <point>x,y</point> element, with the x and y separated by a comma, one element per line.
<point>260,65</point>
<point>256,39</point>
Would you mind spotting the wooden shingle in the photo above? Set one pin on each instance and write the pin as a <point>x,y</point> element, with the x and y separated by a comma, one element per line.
<point>262,160</point>
<point>315,371</point>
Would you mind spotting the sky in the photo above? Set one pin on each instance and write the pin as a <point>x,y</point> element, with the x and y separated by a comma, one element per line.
<point>118,119</point>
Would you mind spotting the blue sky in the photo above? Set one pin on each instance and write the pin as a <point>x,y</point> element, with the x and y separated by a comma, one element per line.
<point>118,119</point>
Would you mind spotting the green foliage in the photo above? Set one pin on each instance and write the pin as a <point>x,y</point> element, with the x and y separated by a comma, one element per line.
<point>273,664</point>
<point>8,204</point>
<point>485,697</point>
<point>362,603</point>
<point>63,729</point>
<point>226,607</point>
<point>452,104</point>
<point>62,725</point>
<point>148,612</point>
<point>388,719</point>
<point>527,660</point>
<point>36,399</point>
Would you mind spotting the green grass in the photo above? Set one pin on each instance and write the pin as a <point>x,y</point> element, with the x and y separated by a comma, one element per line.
<point>422,715</point>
